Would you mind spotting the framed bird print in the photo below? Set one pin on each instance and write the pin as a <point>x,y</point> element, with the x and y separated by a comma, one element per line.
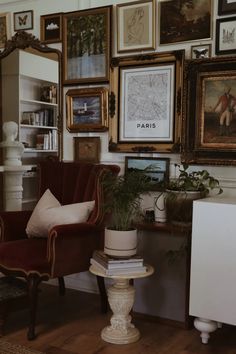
<point>23,20</point>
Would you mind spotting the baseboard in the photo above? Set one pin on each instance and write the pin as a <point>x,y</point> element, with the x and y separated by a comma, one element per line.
<point>169,322</point>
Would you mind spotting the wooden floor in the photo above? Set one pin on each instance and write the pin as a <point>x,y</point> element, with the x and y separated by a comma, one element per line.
<point>72,324</point>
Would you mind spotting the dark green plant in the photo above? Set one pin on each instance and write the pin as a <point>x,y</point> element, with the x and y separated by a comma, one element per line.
<point>123,198</point>
<point>200,181</point>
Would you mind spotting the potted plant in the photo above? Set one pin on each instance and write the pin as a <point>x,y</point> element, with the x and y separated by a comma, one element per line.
<point>123,198</point>
<point>183,190</point>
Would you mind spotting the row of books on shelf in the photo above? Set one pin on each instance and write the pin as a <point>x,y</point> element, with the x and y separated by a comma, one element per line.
<point>42,117</point>
<point>47,141</point>
<point>117,266</point>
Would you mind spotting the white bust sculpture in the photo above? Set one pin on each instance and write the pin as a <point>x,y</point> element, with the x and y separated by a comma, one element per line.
<point>13,149</point>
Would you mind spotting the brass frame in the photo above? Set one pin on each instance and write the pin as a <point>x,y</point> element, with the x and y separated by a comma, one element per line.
<point>115,145</point>
<point>90,92</point>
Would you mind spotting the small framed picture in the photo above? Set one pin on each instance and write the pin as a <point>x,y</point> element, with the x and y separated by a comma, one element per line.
<point>225,35</point>
<point>136,26</point>
<point>51,28</point>
<point>226,7</point>
<point>4,28</point>
<point>87,109</point>
<point>87,149</point>
<point>23,20</point>
<point>200,51</point>
<point>158,169</point>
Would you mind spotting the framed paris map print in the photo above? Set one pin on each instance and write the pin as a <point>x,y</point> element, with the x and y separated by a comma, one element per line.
<point>147,90</point>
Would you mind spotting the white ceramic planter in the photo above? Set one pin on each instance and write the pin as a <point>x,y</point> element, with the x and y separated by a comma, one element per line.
<point>120,243</point>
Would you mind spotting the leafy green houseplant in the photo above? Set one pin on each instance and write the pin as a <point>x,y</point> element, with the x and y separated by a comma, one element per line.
<point>123,198</point>
<point>188,186</point>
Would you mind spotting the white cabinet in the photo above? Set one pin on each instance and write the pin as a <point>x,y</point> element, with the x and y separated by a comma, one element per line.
<point>213,264</point>
<point>29,97</point>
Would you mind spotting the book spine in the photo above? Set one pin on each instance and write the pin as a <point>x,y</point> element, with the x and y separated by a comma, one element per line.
<point>108,265</point>
<point>118,271</point>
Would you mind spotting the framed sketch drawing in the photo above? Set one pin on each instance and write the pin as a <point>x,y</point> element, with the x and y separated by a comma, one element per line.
<point>210,114</point>
<point>86,45</point>
<point>176,17</point>
<point>226,7</point>
<point>87,109</point>
<point>51,28</point>
<point>87,149</point>
<point>147,90</point>
<point>4,28</point>
<point>225,35</point>
<point>136,26</point>
<point>23,20</point>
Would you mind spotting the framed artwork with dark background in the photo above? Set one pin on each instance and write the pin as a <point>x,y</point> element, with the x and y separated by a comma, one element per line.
<point>51,28</point>
<point>226,7</point>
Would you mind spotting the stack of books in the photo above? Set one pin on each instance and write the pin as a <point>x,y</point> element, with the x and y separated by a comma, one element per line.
<point>117,266</point>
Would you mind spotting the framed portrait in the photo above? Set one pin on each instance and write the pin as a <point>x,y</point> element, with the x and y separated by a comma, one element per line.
<point>209,135</point>
<point>157,168</point>
<point>23,20</point>
<point>136,26</point>
<point>176,17</point>
<point>226,7</point>
<point>4,28</point>
<point>147,112</point>
<point>225,35</point>
<point>86,45</point>
<point>87,149</point>
<point>87,109</point>
<point>201,51</point>
<point>51,28</point>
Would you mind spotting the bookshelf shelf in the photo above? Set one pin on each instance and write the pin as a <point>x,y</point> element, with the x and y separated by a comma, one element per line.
<point>41,103</point>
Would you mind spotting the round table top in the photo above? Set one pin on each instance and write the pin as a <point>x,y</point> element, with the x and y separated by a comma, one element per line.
<point>149,271</point>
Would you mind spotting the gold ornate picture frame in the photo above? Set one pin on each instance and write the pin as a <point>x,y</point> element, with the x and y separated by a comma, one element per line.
<point>146,103</point>
<point>5,28</point>
<point>87,109</point>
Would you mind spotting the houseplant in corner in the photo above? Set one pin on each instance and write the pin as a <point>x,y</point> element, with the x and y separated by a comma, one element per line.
<point>184,189</point>
<point>123,198</point>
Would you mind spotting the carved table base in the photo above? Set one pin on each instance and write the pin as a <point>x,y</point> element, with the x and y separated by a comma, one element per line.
<point>121,300</point>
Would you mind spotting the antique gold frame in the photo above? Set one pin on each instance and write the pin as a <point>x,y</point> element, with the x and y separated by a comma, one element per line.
<point>144,62</point>
<point>85,117</point>
<point>207,139</point>
<point>87,149</point>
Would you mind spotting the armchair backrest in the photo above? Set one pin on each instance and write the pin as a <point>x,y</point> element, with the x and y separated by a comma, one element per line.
<point>75,182</point>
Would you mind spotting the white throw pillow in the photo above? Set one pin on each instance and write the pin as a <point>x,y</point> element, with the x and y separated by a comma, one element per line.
<point>49,212</point>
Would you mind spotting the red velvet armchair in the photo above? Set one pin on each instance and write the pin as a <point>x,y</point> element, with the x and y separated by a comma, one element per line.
<point>68,248</point>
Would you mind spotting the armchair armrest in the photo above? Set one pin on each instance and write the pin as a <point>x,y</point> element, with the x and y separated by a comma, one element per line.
<point>70,247</point>
<point>13,224</point>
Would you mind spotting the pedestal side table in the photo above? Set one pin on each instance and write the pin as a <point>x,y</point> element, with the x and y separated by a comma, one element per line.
<point>121,299</point>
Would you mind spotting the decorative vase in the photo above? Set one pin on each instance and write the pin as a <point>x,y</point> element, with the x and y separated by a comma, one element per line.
<point>120,243</point>
<point>160,208</point>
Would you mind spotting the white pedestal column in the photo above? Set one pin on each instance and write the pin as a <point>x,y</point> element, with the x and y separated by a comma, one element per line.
<point>13,186</point>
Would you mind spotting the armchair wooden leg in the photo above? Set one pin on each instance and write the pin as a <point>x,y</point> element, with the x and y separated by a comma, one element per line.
<point>33,283</point>
<point>103,294</point>
<point>62,288</point>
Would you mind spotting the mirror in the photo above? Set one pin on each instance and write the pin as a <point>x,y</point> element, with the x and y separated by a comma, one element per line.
<point>31,97</point>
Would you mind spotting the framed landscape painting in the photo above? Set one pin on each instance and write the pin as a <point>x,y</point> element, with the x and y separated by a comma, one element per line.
<point>51,28</point>
<point>86,45</point>
<point>177,17</point>
<point>210,114</point>
<point>87,109</point>
<point>4,28</point>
